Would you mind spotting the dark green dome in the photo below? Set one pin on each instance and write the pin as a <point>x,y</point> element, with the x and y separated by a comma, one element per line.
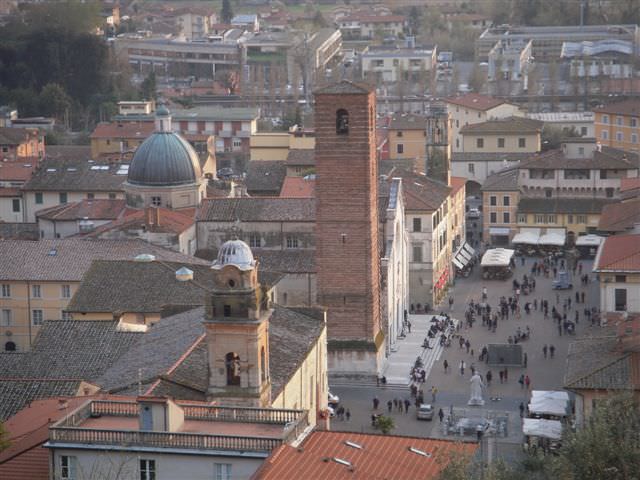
<point>164,159</point>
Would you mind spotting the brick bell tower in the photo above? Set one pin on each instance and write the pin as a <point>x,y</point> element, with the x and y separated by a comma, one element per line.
<point>347,248</point>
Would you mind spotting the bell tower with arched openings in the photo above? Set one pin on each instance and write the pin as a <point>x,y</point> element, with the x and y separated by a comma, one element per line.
<point>237,329</point>
<point>347,244</point>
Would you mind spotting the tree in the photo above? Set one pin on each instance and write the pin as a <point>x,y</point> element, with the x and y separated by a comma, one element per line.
<point>477,78</point>
<point>385,424</point>
<point>227,12</point>
<point>148,87</point>
<point>54,101</point>
<point>414,20</point>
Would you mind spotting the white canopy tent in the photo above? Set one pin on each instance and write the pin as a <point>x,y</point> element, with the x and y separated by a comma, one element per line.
<point>527,236</point>
<point>549,406</point>
<point>553,394</point>
<point>463,255</point>
<point>589,241</point>
<point>539,427</point>
<point>553,236</point>
<point>497,257</point>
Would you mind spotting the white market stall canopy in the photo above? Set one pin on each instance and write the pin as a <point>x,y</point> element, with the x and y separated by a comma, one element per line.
<point>558,407</point>
<point>542,428</point>
<point>553,394</point>
<point>527,236</point>
<point>553,236</point>
<point>463,255</point>
<point>589,241</point>
<point>497,257</point>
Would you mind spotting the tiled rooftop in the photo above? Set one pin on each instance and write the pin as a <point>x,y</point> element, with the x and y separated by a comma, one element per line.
<point>620,253</point>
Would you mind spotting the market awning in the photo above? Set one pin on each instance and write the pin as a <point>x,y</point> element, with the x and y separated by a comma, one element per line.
<point>549,406</point>
<point>463,255</point>
<point>497,257</point>
<point>553,394</point>
<point>553,236</point>
<point>542,428</point>
<point>527,236</point>
<point>500,231</point>
<point>457,263</point>
<point>589,241</point>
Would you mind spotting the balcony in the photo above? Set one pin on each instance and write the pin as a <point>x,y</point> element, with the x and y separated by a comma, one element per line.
<point>206,427</point>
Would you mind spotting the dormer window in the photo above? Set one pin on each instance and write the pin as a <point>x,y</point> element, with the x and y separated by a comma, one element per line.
<point>342,122</point>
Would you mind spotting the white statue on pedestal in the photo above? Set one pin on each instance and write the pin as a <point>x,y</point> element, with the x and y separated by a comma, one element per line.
<point>476,391</point>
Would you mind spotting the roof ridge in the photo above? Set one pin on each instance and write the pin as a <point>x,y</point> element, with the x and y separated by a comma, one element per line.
<point>600,368</point>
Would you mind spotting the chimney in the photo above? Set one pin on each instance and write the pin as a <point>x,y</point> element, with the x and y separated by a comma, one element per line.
<point>157,215</point>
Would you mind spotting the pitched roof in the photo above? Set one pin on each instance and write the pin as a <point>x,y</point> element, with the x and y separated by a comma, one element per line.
<point>18,171</point>
<point>265,177</point>
<point>73,175</point>
<point>15,136</point>
<point>626,107</point>
<point>488,157</point>
<point>562,205</point>
<point>509,125</point>
<point>129,286</point>
<point>609,157</point>
<point>97,209</point>
<point>301,156</point>
<point>256,209</point>
<point>363,18</point>
<point>457,183</point>
<point>620,216</point>
<point>286,261</point>
<point>298,187</point>
<point>407,121</point>
<point>620,253</point>
<point>129,130</point>
<point>502,181</point>
<point>15,394</point>
<point>381,456</point>
<point>69,258</point>
<point>419,191</point>
<point>151,219</point>
<point>69,152</point>
<point>214,113</point>
<point>344,87</point>
<point>475,101</point>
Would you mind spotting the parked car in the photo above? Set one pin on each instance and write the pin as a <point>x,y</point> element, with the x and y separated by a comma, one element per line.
<point>333,399</point>
<point>473,213</point>
<point>425,412</point>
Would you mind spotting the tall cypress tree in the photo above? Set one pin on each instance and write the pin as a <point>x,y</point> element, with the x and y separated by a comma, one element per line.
<point>227,12</point>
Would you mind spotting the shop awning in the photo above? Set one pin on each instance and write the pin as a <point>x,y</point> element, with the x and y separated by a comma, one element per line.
<point>527,236</point>
<point>497,257</point>
<point>463,255</point>
<point>500,231</point>
<point>553,236</point>
<point>589,241</point>
<point>542,428</point>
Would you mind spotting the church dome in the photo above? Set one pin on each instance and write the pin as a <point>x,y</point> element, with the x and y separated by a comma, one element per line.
<point>165,158</point>
<point>237,253</point>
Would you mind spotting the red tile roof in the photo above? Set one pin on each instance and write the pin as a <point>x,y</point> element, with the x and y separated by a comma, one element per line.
<point>298,187</point>
<point>381,456</point>
<point>619,216</point>
<point>476,101</point>
<point>457,183</point>
<point>620,253</point>
<point>18,171</point>
<point>158,220</point>
<point>99,209</point>
<point>123,130</point>
<point>627,184</point>
<point>626,107</point>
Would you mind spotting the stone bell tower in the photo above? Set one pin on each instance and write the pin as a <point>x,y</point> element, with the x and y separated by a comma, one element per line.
<point>237,329</point>
<point>347,243</point>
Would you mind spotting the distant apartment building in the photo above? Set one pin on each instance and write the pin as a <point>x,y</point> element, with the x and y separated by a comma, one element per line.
<point>279,145</point>
<point>580,123</point>
<point>136,107</point>
<point>194,24</point>
<point>17,143</point>
<point>394,64</point>
<point>617,125</point>
<point>547,41</point>
<point>359,26</point>
<point>509,66</point>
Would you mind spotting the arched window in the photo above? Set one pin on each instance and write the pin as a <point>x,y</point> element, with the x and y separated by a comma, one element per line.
<point>9,347</point>
<point>263,365</point>
<point>342,122</point>
<point>232,365</point>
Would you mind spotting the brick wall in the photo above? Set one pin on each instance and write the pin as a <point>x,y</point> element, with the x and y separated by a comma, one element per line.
<point>347,254</point>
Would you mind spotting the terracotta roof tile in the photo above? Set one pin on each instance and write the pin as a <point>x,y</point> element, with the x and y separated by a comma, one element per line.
<point>301,156</point>
<point>153,219</point>
<point>98,209</point>
<point>514,125</point>
<point>264,209</point>
<point>457,183</point>
<point>298,187</point>
<point>15,136</point>
<point>382,456</point>
<point>19,170</point>
<point>626,107</point>
<point>475,101</point>
<point>620,253</point>
<point>123,130</point>
<point>265,177</point>
<point>419,191</point>
<point>620,216</point>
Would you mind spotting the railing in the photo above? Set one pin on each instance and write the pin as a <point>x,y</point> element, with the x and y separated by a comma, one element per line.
<point>197,441</point>
<point>236,414</point>
<point>114,408</point>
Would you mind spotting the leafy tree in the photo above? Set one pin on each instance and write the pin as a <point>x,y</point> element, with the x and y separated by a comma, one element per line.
<point>71,16</point>
<point>148,87</point>
<point>477,78</point>
<point>319,20</point>
<point>54,101</point>
<point>414,20</point>
<point>385,424</point>
<point>227,12</point>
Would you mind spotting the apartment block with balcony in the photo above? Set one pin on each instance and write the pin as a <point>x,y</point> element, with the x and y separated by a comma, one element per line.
<point>393,64</point>
<point>617,125</point>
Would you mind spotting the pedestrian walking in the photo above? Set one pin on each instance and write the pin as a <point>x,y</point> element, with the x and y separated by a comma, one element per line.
<point>462,367</point>
<point>506,374</point>
<point>451,303</point>
<point>527,381</point>
<point>434,391</point>
<point>395,403</point>
<point>501,375</point>
<point>446,365</point>
<point>489,376</point>
<point>525,360</point>
<point>582,297</point>
<point>552,350</point>
<point>389,405</point>
<point>406,405</point>
<point>440,415</point>
<point>521,410</point>
<point>409,325</point>
<point>544,350</point>
<point>521,381</point>
<point>468,345</point>
<point>376,402</point>
<point>348,414</point>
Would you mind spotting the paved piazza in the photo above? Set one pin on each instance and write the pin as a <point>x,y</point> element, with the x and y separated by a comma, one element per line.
<point>453,388</point>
